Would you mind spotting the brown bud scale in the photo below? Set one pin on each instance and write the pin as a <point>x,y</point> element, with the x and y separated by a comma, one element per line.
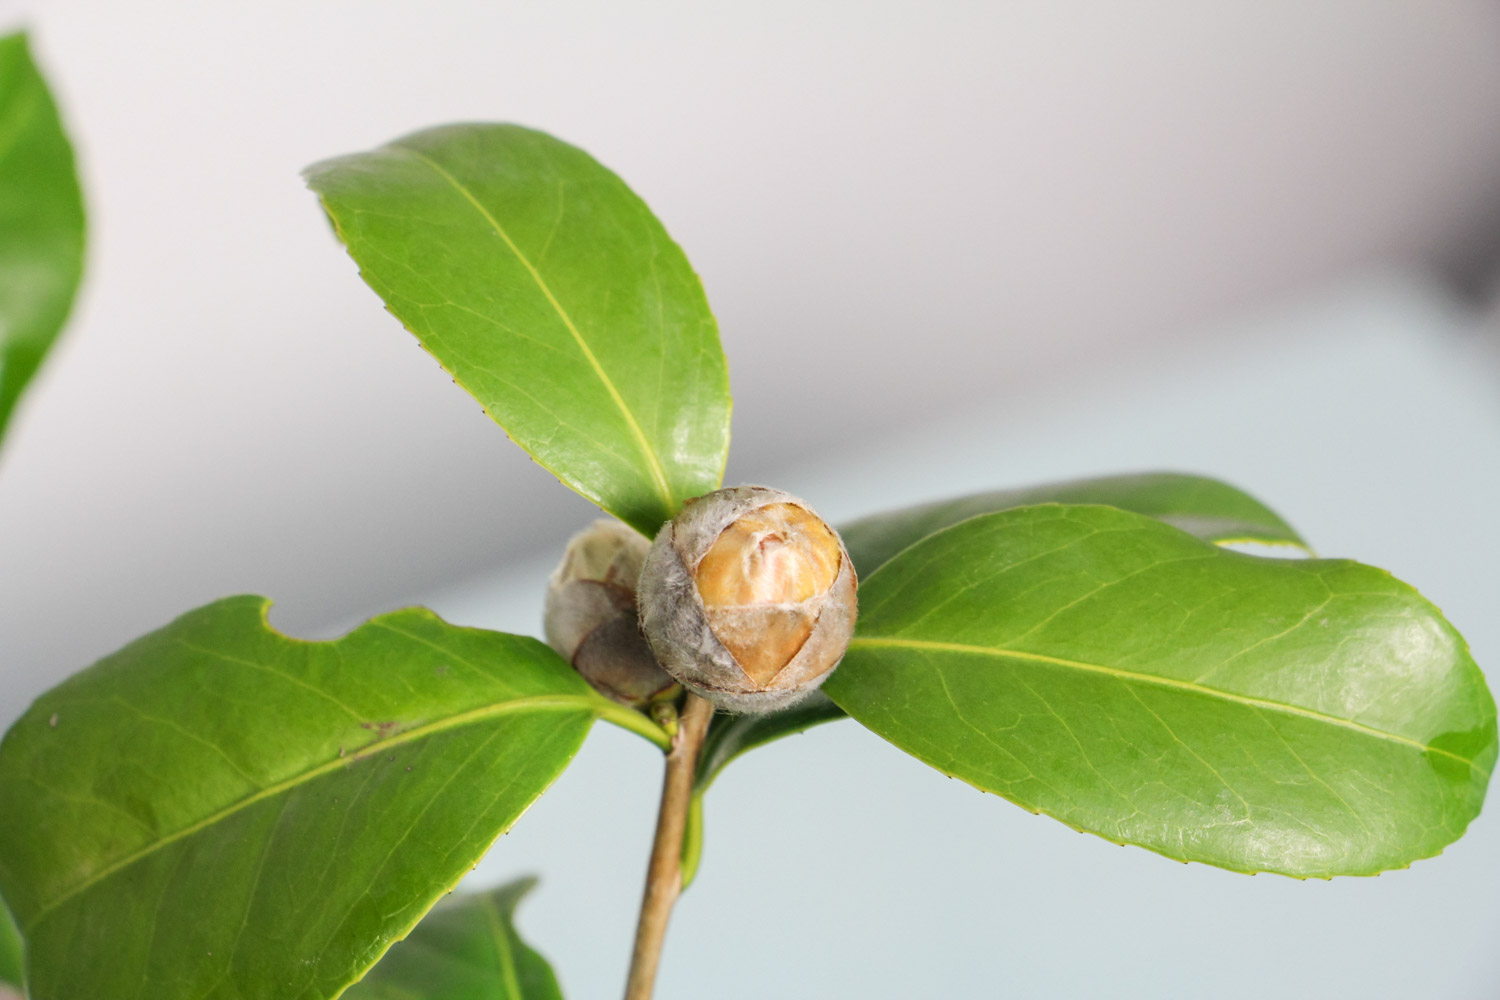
<point>591,617</point>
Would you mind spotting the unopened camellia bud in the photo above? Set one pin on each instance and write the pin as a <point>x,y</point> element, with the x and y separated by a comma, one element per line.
<point>748,598</point>
<point>590,616</point>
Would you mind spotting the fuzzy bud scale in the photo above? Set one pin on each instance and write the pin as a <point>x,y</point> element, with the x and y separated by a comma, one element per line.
<point>591,617</point>
<point>748,598</point>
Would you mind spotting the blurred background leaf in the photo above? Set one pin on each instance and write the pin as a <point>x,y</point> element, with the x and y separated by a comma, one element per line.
<point>467,948</point>
<point>12,961</point>
<point>41,222</point>
<point>1212,510</point>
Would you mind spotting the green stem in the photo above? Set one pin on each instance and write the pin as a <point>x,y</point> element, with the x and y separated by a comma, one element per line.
<point>628,718</point>
<point>692,840</point>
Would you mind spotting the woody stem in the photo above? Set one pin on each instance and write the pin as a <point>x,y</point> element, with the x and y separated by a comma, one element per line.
<point>664,873</point>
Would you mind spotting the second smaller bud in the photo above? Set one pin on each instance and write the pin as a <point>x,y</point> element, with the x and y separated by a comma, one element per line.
<point>591,619</point>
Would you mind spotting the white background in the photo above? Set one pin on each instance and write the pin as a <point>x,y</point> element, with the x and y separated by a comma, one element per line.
<point>951,247</point>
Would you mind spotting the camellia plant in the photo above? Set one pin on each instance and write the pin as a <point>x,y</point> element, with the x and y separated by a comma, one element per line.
<point>1090,650</point>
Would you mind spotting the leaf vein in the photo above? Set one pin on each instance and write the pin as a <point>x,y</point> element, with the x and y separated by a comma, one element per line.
<point>871,642</point>
<point>653,461</point>
<point>539,703</point>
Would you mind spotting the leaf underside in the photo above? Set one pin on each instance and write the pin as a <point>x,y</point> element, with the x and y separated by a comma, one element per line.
<point>41,222</point>
<point>467,948</point>
<point>553,296</point>
<point>1208,508</point>
<point>1307,717</point>
<point>219,811</point>
<point>730,736</point>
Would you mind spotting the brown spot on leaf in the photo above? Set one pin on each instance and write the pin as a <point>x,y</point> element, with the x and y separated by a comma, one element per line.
<point>381,729</point>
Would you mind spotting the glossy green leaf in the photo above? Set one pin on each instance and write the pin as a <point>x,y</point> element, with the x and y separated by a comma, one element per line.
<point>220,811</point>
<point>41,222</point>
<point>467,948</point>
<point>552,294</point>
<point>11,956</point>
<point>1308,717</point>
<point>1208,508</point>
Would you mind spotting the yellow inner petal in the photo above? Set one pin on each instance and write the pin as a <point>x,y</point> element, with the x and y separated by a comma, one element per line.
<point>777,554</point>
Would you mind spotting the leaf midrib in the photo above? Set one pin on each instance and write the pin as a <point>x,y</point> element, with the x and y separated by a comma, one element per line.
<point>653,461</point>
<point>1131,676</point>
<point>540,703</point>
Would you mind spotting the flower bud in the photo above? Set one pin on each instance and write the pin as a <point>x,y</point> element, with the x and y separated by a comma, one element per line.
<point>590,616</point>
<point>748,598</point>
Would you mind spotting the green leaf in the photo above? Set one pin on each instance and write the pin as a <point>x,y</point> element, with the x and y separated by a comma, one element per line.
<point>41,222</point>
<point>550,292</point>
<point>220,811</point>
<point>1308,717</point>
<point>467,948</point>
<point>12,962</point>
<point>1208,508</point>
